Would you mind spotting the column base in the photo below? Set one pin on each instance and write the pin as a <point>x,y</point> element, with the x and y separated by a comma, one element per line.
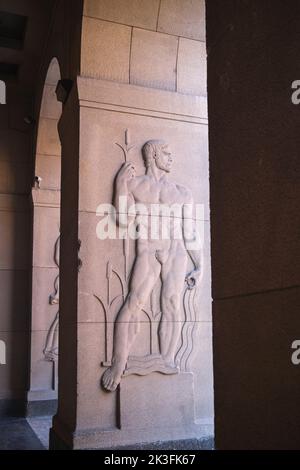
<point>205,443</point>
<point>41,408</point>
<point>157,409</point>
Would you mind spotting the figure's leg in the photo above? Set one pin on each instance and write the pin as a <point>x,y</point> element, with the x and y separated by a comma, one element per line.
<point>173,276</point>
<point>145,274</point>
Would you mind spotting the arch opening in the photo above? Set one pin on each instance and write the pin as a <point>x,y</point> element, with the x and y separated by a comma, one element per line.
<point>46,241</point>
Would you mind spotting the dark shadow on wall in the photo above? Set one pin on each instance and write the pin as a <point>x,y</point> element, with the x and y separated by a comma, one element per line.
<point>254,142</point>
<point>15,249</point>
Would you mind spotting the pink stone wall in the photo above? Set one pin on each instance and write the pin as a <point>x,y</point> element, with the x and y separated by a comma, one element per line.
<point>155,52</point>
<point>143,69</point>
<point>151,43</point>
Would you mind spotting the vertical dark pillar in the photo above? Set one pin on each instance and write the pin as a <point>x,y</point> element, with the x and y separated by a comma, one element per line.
<point>253,58</point>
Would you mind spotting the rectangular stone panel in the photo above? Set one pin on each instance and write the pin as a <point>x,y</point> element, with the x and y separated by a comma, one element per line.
<point>191,67</point>
<point>45,233</point>
<point>45,197</point>
<point>48,167</point>
<point>170,406</point>
<point>105,50</point>
<point>153,59</point>
<point>183,18</point>
<point>48,142</point>
<point>140,13</point>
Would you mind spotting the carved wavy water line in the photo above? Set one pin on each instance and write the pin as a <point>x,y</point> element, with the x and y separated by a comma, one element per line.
<point>148,364</point>
<point>148,370</point>
<point>186,328</point>
<point>178,354</point>
<point>190,348</point>
<point>187,342</point>
<point>194,326</point>
<point>189,345</point>
<point>182,348</point>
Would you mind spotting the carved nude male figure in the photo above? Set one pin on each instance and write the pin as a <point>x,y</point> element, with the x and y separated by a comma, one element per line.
<point>155,257</point>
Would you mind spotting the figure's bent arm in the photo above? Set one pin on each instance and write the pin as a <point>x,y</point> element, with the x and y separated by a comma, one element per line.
<point>191,241</point>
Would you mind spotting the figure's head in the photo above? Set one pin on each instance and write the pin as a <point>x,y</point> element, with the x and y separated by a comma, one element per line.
<point>158,151</point>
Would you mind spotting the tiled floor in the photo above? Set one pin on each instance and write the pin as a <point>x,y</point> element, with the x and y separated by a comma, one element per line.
<point>41,427</point>
<point>33,434</point>
<point>17,434</point>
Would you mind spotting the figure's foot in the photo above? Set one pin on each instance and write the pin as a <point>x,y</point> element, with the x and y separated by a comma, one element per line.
<point>171,367</point>
<point>111,378</point>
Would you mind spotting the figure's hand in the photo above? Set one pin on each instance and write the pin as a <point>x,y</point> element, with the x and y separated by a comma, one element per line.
<point>126,173</point>
<point>193,278</point>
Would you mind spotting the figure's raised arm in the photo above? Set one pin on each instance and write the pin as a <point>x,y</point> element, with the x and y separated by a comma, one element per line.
<point>123,197</point>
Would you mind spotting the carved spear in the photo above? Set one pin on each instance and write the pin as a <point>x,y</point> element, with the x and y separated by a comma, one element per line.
<point>126,149</point>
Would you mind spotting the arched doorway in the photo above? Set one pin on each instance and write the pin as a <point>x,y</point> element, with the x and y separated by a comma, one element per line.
<point>45,255</point>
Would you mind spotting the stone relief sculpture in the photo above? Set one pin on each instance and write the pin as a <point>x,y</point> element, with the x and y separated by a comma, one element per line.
<point>157,259</point>
<point>51,346</point>
<point>108,307</point>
